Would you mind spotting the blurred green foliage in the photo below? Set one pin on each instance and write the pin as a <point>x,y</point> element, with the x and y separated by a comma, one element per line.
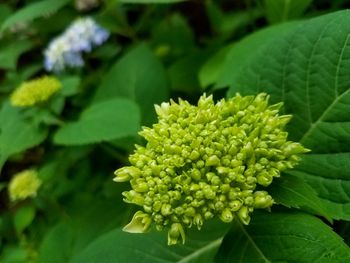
<point>296,51</point>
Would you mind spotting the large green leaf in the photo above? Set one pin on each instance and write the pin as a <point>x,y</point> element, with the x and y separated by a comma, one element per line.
<point>24,217</point>
<point>93,218</point>
<point>309,72</point>
<point>118,246</point>
<point>138,76</point>
<point>224,67</point>
<point>10,52</point>
<point>17,133</point>
<point>183,73</point>
<point>103,121</point>
<point>173,37</point>
<point>32,11</point>
<point>225,24</point>
<point>292,191</point>
<point>5,11</point>
<point>283,237</point>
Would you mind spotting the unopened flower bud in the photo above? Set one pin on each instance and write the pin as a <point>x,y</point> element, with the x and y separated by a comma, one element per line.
<point>243,215</point>
<point>207,161</point>
<point>262,199</point>
<point>126,173</point>
<point>140,223</point>
<point>175,234</point>
<point>212,161</point>
<point>226,216</point>
<point>198,221</point>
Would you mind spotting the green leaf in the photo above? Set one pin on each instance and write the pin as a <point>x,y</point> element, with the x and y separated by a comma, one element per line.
<point>103,121</point>
<point>14,254</point>
<point>292,191</point>
<point>106,51</point>
<point>150,1</point>
<point>283,10</point>
<point>70,85</point>
<point>17,133</point>
<point>54,173</point>
<point>10,53</point>
<point>211,70</point>
<point>309,72</point>
<point>242,52</point>
<point>119,246</point>
<point>24,217</point>
<point>33,11</point>
<point>70,237</point>
<point>57,244</point>
<point>227,23</point>
<point>138,76</point>
<point>5,11</point>
<point>183,72</point>
<point>172,37</point>
<point>283,237</point>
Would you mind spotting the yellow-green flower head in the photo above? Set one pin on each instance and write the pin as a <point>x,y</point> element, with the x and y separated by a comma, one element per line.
<point>23,185</point>
<point>207,161</point>
<point>35,91</point>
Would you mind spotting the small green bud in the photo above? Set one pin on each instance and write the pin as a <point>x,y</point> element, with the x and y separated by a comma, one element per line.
<point>262,199</point>
<point>212,161</point>
<point>226,216</point>
<point>209,193</point>
<point>124,174</point>
<point>194,155</point>
<point>219,205</point>
<point>249,201</point>
<point>158,219</point>
<point>200,164</point>
<point>233,195</point>
<point>195,187</point>
<point>208,215</point>
<point>209,176</point>
<point>223,170</point>
<point>243,215</point>
<point>157,206</point>
<point>225,188</point>
<point>190,212</point>
<point>195,174</point>
<point>264,179</point>
<point>187,221</point>
<point>166,209</point>
<point>133,197</point>
<point>198,221</point>
<point>215,180</point>
<point>235,205</point>
<point>141,187</point>
<point>140,223</point>
<point>179,210</point>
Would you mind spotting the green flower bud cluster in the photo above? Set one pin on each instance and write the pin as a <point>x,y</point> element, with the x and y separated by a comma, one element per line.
<point>207,161</point>
<point>35,91</point>
<point>24,185</point>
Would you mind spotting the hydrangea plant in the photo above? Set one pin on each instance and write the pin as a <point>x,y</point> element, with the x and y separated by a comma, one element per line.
<point>224,166</point>
<point>24,185</point>
<point>205,161</point>
<point>35,91</point>
<point>66,50</point>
